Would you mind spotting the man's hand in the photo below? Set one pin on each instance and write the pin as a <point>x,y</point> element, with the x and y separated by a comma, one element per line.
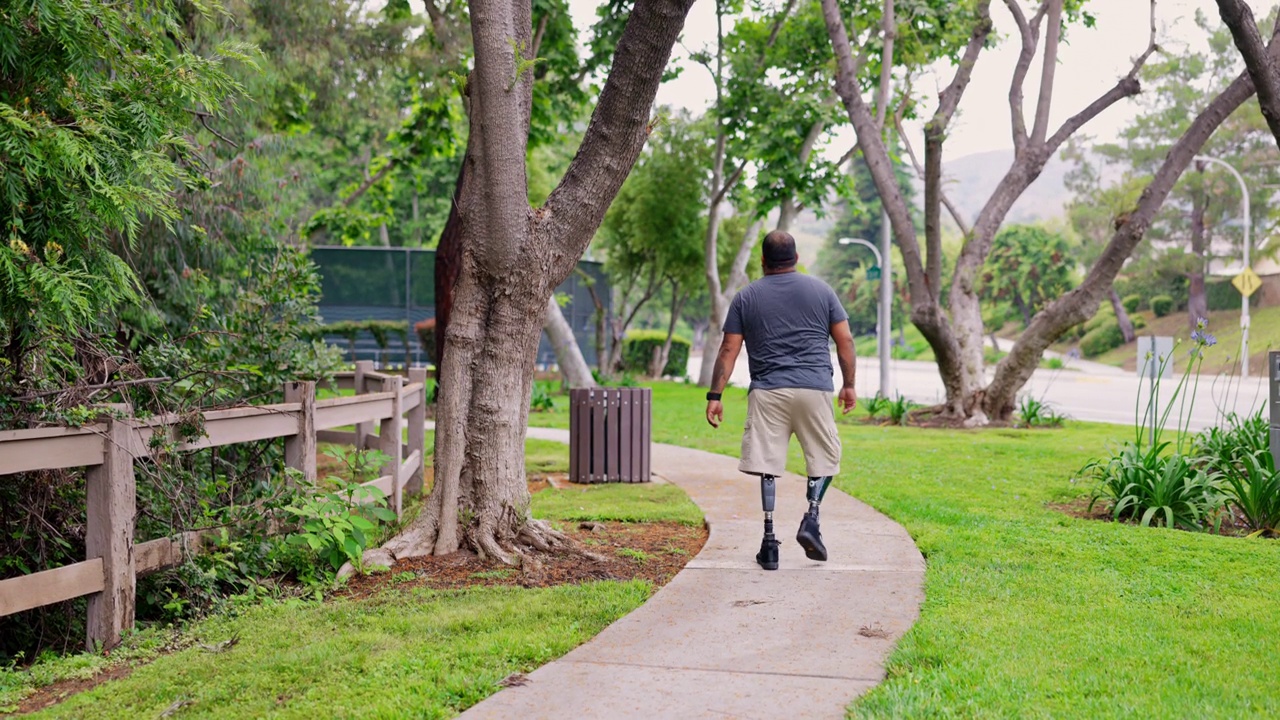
<point>715,413</point>
<point>848,399</point>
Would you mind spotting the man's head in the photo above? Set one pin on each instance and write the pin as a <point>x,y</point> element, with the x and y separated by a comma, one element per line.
<point>778,252</point>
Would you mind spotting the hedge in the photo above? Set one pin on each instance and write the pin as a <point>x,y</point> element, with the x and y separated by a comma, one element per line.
<point>1101,339</point>
<point>1131,303</point>
<point>638,347</point>
<point>1161,305</point>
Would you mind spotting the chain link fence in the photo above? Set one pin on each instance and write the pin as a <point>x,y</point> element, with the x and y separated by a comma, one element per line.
<point>398,285</point>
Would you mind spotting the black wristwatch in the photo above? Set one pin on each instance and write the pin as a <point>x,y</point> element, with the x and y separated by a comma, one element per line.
<point>713,396</point>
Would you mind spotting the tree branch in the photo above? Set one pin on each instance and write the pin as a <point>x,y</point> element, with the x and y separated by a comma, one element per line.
<point>1262,68</point>
<point>536,45</point>
<point>889,31</point>
<point>915,162</point>
<point>1053,36</point>
<point>368,183</point>
<point>738,272</point>
<point>619,127</point>
<point>1030,38</point>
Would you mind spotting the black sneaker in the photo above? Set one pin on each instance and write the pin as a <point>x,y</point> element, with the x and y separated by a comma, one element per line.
<point>768,555</point>
<point>810,538</point>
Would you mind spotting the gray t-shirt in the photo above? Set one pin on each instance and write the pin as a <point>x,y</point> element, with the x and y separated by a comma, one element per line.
<point>786,321</point>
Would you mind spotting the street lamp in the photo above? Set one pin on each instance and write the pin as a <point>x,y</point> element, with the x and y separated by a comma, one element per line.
<point>1244,299</point>
<point>885,305</point>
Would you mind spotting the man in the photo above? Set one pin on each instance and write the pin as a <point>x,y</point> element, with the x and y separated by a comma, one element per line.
<point>785,319</point>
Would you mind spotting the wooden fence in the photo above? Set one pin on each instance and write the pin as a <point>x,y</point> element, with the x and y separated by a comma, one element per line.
<point>114,562</point>
<point>609,434</point>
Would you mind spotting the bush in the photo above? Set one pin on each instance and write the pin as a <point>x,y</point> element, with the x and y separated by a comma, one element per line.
<point>1155,489</point>
<point>1161,305</point>
<point>637,350</point>
<point>1138,322</point>
<point>1104,315</point>
<point>1131,303</point>
<point>1101,339</point>
<point>426,331</point>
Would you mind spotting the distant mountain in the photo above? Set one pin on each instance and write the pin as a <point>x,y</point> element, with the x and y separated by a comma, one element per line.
<point>968,182</point>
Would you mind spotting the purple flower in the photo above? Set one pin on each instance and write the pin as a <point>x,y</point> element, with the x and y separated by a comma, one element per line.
<point>1201,324</point>
<point>1203,338</point>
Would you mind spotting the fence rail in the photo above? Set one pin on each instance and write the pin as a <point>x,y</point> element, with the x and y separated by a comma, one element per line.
<point>113,561</point>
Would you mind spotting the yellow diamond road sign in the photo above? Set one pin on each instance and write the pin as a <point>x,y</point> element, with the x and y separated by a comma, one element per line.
<point>1247,282</point>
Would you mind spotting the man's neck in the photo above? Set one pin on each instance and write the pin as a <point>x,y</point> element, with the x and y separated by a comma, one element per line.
<point>781,271</point>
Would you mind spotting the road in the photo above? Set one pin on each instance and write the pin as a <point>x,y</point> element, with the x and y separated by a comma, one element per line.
<point>1096,393</point>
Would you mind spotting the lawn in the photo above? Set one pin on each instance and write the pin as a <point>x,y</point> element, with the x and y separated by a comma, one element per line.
<point>403,653</point>
<point>1030,612</point>
<point>1264,335</point>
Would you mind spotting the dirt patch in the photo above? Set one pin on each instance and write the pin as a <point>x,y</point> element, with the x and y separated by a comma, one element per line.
<point>624,551</point>
<point>61,690</point>
<point>1079,508</point>
<point>1230,523</point>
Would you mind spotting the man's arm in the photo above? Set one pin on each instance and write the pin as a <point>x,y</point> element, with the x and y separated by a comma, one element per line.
<point>725,360</point>
<point>848,363</point>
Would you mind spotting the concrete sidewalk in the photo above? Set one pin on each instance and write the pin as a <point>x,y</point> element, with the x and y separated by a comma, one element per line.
<point>725,639</point>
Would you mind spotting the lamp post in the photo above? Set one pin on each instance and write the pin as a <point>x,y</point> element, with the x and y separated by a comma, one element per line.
<point>885,305</point>
<point>1244,299</point>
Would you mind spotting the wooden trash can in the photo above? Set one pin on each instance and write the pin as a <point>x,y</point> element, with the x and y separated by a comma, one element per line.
<point>610,434</point>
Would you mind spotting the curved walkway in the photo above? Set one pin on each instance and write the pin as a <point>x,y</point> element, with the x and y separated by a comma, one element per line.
<point>725,639</point>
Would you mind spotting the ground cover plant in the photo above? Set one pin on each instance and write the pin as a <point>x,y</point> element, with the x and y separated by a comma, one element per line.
<point>1030,612</point>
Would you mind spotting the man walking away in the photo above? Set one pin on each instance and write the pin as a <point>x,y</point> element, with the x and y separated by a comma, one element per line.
<point>786,318</point>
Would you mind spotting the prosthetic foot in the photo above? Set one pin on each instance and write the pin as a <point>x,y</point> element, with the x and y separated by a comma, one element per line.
<point>768,555</point>
<point>810,536</point>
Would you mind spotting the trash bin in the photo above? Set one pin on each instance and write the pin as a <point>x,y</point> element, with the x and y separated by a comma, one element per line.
<point>609,434</point>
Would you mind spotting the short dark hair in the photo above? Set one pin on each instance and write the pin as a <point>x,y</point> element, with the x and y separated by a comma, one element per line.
<point>779,250</point>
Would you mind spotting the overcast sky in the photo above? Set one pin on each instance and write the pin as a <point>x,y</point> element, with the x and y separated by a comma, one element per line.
<point>1090,64</point>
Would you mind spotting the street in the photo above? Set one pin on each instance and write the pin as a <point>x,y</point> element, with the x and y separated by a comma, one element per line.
<point>1097,393</point>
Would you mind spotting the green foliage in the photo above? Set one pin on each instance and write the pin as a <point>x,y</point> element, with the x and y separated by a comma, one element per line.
<point>1253,489</point>
<point>1027,267</point>
<point>1033,413</point>
<point>1154,488</point>
<point>540,399</point>
<point>1162,305</point>
<point>638,349</point>
<point>1102,338</point>
<point>875,405</point>
<point>899,410</point>
<point>1131,303</point>
<point>94,115</point>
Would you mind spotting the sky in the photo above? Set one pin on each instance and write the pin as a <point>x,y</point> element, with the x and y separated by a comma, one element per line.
<point>1090,64</point>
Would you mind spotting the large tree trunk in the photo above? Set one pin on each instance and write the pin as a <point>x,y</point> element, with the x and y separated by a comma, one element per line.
<point>1122,316</point>
<point>568,355</point>
<point>513,256</point>
<point>449,261</point>
<point>658,363</point>
<point>1081,303</point>
<point>1257,58</point>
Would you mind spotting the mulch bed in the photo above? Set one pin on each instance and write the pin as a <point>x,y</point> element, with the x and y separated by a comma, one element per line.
<point>1232,525</point>
<point>649,551</point>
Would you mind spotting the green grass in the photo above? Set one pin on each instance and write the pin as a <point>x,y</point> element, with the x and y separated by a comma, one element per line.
<point>1264,335</point>
<point>417,653</point>
<point>646,502</point>
<point>1030,612</point>
<point>401,654</point>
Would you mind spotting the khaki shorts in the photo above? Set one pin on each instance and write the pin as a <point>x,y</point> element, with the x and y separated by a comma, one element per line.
<point>774,415</point>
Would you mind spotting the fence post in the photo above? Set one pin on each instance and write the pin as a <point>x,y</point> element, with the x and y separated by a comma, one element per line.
<point>418,431</point>
<point>364,428</point>
<point>110,508</point>
<point>300,449</point>
<point>390,438</point>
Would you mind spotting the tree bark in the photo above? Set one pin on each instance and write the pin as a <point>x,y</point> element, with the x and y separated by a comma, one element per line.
<point>1257,58</point>
<point>1081,303</point>
<point>568,355</point>
<point>1122,316</point>
<point>449,260</point>
<point>658,364</point>
<point>512,257</point>
<point>720,299</point>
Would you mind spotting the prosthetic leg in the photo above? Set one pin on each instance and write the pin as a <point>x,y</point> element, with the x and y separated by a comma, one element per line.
<point>768,555</point>
<point>810,537</point>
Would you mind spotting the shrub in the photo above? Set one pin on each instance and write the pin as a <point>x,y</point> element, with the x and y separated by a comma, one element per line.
<point>1101,339</point>
<point>1138,322</point>
<point>1161,305</point>
<point>899,408</point>
<point>1131,303</point>
<point>1154,489</point>
<point>637,350</point>
<point>426,331</point>
<point>540,400</point>
<point>1253,489</point>
<point>1037,413</point>
<point>1104,315</point>
<point>877,405</point>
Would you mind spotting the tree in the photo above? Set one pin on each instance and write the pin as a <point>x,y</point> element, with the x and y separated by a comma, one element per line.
<point>1028,266</point>
<point>956,334</point>
<point>1262,67</point>
<point>95,102</point>
<point>651,234</point>
<point>512,258</point>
